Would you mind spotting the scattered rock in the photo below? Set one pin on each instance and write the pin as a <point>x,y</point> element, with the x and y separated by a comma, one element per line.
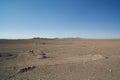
<point>106,57</point>
<point>31,51</point>
<point>10,55</point>
<point>43,55</point>
<point>33,67</point>
<point>43,43</point>
<point>26,69</point>
<point>110,70</point>
<point>0,55</point>
<point>29,68</point>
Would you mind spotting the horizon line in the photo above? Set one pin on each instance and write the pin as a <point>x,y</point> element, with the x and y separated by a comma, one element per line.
<point>52,38</point>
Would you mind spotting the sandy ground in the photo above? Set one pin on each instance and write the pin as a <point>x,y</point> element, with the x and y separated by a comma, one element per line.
<point>66,59</point>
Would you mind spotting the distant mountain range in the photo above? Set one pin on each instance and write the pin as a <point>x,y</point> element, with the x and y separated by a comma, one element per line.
<point>38,38</point>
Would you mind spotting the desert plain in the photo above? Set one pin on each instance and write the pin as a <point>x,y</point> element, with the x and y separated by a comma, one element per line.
<point>72,59</point>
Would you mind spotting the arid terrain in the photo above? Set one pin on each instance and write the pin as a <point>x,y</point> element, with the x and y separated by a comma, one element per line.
<point>64,59</point>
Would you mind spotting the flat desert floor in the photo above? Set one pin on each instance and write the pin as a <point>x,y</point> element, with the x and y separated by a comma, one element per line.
<point>65,59</point>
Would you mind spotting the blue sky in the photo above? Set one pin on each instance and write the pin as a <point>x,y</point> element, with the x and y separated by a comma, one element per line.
<point>59,18</point>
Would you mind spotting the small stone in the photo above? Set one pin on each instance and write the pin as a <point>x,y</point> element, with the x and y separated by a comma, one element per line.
<point>0,55</point>
<point>106,57</point>
<point>29,68</point>
<point>110,70</point>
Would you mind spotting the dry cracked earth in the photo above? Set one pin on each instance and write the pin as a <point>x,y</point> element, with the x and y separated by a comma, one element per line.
<point>65,59</point>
